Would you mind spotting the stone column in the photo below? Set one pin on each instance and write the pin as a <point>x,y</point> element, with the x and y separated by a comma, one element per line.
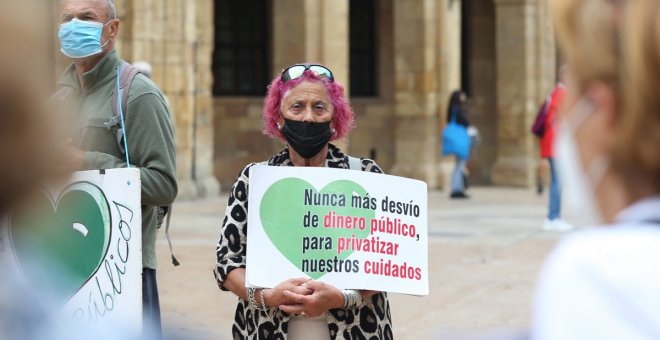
<point>312,31</point>
<point>448,64</point>
<point>171,49</point>
<point>449,58</point>
<point>547,51</point>
<point>416,89</point>
<point>206,183</point>
<point>517,91</point>
<point>175,37</point>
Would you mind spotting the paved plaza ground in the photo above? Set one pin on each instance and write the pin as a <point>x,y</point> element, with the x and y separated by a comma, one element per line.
<point>484,257</point>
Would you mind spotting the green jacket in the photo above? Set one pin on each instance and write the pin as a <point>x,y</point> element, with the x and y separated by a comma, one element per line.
<point>149,133</point>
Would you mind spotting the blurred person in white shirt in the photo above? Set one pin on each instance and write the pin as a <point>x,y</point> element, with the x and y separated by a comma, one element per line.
<point>604,282</point>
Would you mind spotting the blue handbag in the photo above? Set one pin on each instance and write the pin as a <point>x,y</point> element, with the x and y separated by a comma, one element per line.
<point>455,139</point>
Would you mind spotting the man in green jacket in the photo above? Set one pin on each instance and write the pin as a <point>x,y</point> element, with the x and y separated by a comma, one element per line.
<point>87,33</point>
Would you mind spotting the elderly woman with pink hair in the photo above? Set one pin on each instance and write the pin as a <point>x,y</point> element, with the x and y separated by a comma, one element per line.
<point>306,108</point>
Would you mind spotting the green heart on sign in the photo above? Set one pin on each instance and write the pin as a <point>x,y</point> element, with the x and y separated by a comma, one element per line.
<point>60,244</point>
<point>283,209</point>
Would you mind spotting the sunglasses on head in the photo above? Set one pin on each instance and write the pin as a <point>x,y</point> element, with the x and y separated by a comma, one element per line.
<point>296,71</point>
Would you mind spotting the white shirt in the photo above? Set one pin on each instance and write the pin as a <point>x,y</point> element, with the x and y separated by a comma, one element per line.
<point>308,328</point>
<point>604,283</point>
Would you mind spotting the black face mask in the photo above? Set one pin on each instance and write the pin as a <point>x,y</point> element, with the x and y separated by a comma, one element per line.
<point>307,138</point>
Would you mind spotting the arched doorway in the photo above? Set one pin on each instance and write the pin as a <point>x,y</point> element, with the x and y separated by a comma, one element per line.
<point>478,79</point>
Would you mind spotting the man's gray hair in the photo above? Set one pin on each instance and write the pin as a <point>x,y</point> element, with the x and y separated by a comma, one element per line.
<point>112,12</point>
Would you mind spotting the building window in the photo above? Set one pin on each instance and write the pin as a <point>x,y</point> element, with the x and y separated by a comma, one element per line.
<point>241,53</point>
<point>363,48</point>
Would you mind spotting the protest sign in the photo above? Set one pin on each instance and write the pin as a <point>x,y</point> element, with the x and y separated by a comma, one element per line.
<point>352,229</point>
<point>79,246</point>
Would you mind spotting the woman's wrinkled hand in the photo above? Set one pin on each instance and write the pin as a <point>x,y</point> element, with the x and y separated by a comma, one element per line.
<point>323,297</point>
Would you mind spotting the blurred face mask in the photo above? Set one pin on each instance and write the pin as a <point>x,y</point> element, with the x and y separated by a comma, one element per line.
<point>579,184</point>
<point>80,39</point>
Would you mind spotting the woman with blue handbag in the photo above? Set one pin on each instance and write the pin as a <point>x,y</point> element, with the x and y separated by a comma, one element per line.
<point>456,141</point>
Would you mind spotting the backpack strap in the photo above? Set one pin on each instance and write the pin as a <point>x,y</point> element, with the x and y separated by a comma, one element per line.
<point>127,73</point>
<point>354,163</point>
<point>175,262</point>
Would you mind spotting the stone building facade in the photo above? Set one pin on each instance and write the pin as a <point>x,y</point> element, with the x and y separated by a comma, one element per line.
<point>213,59</point>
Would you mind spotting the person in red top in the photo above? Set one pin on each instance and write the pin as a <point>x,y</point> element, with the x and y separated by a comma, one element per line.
<point>554,221</point>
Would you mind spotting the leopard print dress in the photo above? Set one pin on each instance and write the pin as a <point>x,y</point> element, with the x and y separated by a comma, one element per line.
<point>370,320</point>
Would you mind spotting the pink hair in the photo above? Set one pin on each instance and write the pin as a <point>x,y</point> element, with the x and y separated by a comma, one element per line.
<point>342,118</point>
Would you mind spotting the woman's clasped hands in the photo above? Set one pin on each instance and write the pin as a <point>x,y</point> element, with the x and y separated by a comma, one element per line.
<point>303,296</point>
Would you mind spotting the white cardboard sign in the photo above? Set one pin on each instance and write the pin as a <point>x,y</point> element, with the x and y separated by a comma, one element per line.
<point>352,229</point>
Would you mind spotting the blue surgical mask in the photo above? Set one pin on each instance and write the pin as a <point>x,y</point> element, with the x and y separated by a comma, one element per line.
<point>80,39</point>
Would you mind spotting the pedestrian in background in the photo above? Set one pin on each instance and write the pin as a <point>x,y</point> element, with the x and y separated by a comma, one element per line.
<point>604,283</point>
<point>456,141</point>
<point>553,221</point>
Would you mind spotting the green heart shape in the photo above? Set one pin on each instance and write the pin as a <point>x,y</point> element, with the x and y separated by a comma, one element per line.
<point>283,208</point>
<point>60,244</point>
